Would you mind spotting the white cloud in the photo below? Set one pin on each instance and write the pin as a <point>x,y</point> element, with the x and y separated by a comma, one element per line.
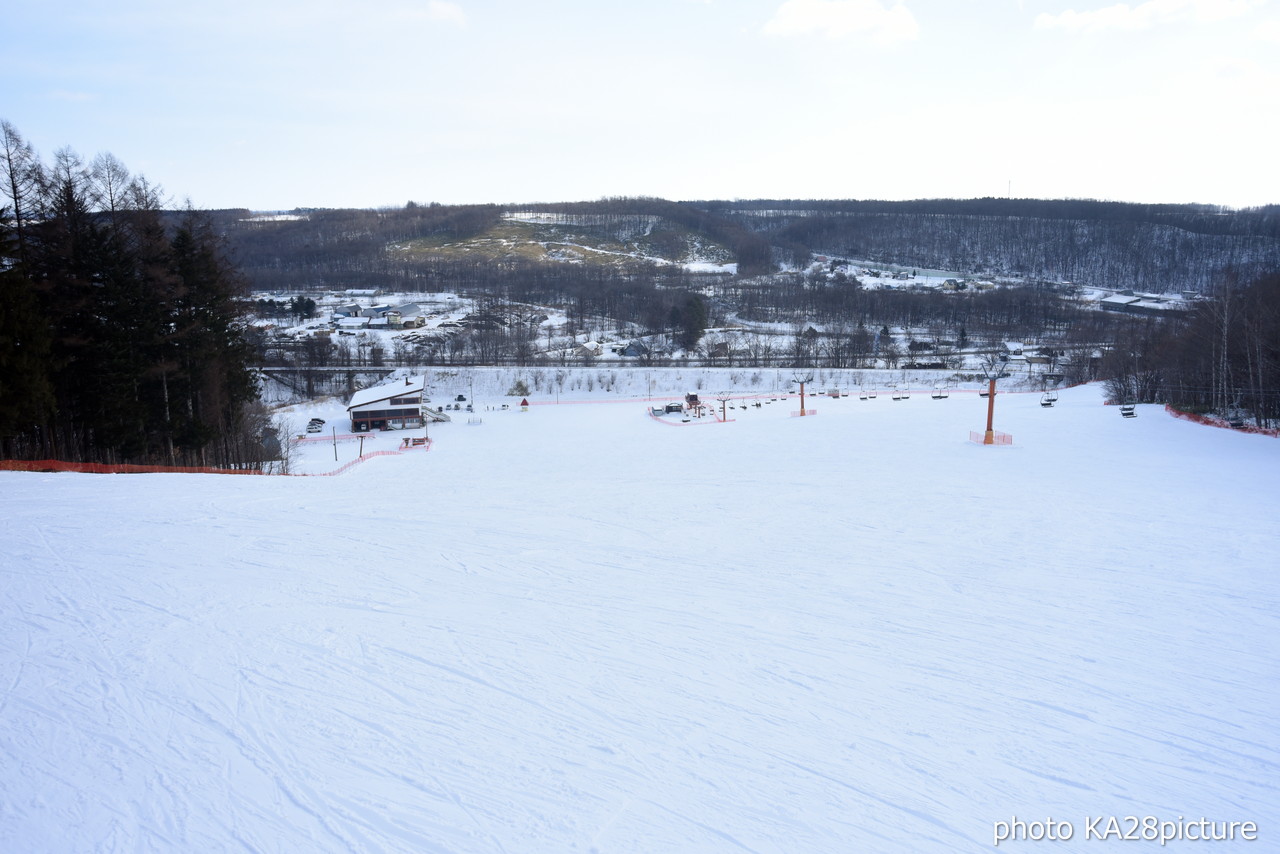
<point>838,19</point>
<point>1122,16</point>
<point>1268,31</point>
<point>439,10</point>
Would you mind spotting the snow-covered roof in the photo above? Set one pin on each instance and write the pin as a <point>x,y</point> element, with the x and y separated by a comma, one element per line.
<point>399,388</point>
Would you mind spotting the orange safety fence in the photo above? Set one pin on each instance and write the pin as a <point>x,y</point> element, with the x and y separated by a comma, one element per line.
<point>1213,421</point>
<point>117,468</point>
<point>997,438</point>
<point>121,468</point>
<point>409,445</point>
<point>347,466</point>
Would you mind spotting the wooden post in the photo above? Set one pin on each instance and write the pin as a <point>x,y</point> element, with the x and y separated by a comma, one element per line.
<point>990,438</point>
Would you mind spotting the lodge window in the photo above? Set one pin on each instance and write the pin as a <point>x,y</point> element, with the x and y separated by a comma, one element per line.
<point>387,413</point>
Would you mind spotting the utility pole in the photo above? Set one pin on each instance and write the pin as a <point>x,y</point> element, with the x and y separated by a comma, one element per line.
<point>723,397</point>
<point>992,367</point>
<point>802,379</point>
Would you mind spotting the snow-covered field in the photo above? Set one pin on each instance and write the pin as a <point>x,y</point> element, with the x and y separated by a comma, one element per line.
<point>581,629</point>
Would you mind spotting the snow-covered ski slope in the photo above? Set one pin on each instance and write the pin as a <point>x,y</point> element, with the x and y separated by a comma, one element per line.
<point>579,629</point>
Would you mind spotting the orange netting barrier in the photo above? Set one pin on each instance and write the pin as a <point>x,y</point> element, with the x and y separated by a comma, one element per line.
<point>103,468</point>
<point>119,468</point>
<point>997,438</point>
<point>1213,421</point>
<point>350,465</point>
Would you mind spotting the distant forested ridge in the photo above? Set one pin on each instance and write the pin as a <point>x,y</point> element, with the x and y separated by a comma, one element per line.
<point>1155,248</point>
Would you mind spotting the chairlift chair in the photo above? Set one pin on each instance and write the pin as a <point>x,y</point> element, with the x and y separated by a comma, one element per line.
<point>1049,398</point>
<point>862,393</point>
<point>1235,415</point>
<point>1128,410</point>
<point>940,392</point>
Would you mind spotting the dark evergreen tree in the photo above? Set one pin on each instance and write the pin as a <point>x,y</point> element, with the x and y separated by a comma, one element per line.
<point>214,380</point>
<point>120,340</point>
<point>26,391</point>
<point>689,320</point>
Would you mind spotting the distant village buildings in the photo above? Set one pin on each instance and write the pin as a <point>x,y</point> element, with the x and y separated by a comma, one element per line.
<point>1151,305</point>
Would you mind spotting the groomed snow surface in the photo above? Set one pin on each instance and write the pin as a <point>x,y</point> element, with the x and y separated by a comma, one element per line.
<point>579,629</point>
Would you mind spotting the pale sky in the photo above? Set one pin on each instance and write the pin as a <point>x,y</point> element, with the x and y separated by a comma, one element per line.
<point>275,104</point>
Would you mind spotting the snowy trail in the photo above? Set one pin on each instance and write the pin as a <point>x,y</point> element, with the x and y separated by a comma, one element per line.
<point>575,629</point>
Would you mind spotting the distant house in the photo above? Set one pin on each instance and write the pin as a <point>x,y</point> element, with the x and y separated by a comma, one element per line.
<point>1153,305</point>
<point>485,321</point>
<point>350,324</point>
<point>396,406</point>
<point>636,349</point>
<point>1119,302</point>
<point>588,349</point>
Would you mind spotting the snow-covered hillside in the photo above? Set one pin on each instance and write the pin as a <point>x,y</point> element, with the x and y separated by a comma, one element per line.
<point>578,628</point>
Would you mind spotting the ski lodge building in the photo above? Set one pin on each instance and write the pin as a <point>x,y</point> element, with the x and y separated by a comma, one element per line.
<point>397,406</point>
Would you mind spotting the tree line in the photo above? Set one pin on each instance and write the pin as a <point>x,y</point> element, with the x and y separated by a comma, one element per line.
<point>1169,253</point>
<point>120,335</point>
<point>1221,359</point>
